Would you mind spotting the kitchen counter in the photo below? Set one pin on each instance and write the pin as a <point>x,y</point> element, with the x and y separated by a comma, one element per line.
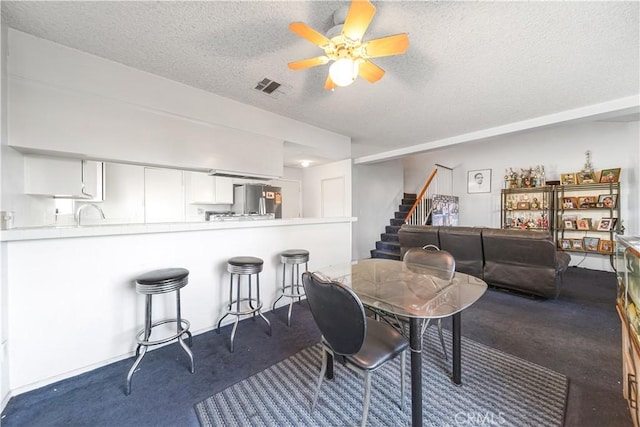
<point>82,280</point>
<point>44,232</point>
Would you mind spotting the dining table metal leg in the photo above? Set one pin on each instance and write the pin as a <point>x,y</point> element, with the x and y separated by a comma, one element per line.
<point>328,374</point>
<point>457,350</point>
<point>415,345</point>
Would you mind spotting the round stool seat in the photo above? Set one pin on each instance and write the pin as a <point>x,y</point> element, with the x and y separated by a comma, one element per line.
<point>294,256</point>
<point>245,265</point>
<point>162,281</point>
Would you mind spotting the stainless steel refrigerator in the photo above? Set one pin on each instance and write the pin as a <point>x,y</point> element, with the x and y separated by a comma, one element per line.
<point>257,199</point>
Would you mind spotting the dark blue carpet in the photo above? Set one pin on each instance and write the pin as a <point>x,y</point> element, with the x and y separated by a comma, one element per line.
<point>577,335</point>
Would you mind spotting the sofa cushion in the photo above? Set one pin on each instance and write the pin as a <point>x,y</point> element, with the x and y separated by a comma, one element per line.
<point>465,244</point>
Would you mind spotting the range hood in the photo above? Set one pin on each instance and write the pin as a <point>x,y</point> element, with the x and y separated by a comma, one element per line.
<point>243,175</point>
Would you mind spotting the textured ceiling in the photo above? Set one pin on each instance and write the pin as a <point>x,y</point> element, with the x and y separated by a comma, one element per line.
<point>470,65</point>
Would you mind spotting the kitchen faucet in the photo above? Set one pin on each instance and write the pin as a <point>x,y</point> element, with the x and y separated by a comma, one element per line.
<point>78,214</point>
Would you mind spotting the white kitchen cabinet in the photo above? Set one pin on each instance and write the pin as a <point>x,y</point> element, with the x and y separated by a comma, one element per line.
<point>63,177</point>
<point>163,195</point>
<point>224,190</point>
<point>204,189</point>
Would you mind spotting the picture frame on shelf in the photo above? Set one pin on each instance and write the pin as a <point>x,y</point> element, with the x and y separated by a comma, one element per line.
<point>569,224</point>
<point>586,202</point>
<point>569,202</point>
<point>610,175</point>
<point>577,245</point>
<point>591,243</point>
<point>523,206</point>
<point>583,224</point>
<point>605,224</point>
<point>586,177</point>
<point>608,200</point>
<point>568,178</point>
<point>565,244</point>
<point>605,246</point>
<point>479,181</point>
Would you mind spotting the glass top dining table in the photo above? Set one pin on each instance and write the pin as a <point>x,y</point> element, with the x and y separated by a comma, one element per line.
<point>401,289</point>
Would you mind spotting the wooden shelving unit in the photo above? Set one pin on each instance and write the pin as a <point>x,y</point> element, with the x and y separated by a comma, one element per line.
<point>627,257</point>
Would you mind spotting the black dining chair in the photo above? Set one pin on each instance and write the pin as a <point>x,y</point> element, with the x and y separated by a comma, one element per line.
<point>359,342</point>
<point>432,261</point>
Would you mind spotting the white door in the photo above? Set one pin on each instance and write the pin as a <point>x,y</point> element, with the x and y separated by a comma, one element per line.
<point>333,197</point>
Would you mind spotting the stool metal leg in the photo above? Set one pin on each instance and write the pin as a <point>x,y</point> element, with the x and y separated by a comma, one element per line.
<point>253,315</point>
<point>147,334</point>
<point>228,305</point>
<point>284,274</point>
<point>235,324</point>
<point>293,273</point>
<point>259,303</point>
<point>179,330</point>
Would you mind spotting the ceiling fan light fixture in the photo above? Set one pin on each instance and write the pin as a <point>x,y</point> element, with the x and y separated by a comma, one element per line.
<point>344,71</point>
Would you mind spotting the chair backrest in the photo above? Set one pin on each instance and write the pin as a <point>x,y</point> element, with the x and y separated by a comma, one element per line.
<point>338,312</point>
<point>432,261</point>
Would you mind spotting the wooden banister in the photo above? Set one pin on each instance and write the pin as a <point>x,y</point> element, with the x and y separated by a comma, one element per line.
<point>421,195</point>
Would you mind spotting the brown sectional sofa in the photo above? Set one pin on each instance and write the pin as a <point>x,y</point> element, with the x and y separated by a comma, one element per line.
<point>520,260</point>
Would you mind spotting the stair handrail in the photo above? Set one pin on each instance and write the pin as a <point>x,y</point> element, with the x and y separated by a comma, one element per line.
<point>421,195</point>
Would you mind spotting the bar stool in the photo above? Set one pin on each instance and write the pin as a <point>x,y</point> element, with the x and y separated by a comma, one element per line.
<point>293,258</point>
<point>238,267</point>
<point>160,282</point>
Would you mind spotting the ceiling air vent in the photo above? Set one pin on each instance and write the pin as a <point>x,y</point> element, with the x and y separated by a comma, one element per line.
<point>267,86</point>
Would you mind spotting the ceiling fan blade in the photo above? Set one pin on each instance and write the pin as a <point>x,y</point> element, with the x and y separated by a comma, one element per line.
<point>358,19</point>
<point>308,63</point>
<point>370,72</point>
<point>329,84</point>
<point>386,46</point>
<point>308,33</point>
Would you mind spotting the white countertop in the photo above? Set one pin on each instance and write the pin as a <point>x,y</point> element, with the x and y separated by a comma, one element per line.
<point>39,233</point>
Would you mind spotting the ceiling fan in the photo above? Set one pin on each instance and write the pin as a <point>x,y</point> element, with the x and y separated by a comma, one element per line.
<point>350,54</point>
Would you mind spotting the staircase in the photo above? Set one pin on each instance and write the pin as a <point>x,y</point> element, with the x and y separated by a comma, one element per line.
<point>389,246</point>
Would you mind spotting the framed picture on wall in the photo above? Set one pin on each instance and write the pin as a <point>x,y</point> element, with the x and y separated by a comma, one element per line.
<point>479,181</point>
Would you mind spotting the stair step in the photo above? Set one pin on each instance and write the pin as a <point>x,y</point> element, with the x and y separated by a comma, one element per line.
<point>409,202</point>
<point>390,237</point>
<point>400,215</point>
<point>410,196</point>
<point>392,229</point>
<point>396,221</point>
<point>375,253</point>
<point>388,246</point>
<point>405,208</point>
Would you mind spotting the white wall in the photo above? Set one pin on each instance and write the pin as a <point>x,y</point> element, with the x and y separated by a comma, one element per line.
<point>560,149</point>
<point>4,360</point>
<point>377,194</point>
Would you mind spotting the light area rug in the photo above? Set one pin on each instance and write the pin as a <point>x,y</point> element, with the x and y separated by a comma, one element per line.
<point>498,389</point>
